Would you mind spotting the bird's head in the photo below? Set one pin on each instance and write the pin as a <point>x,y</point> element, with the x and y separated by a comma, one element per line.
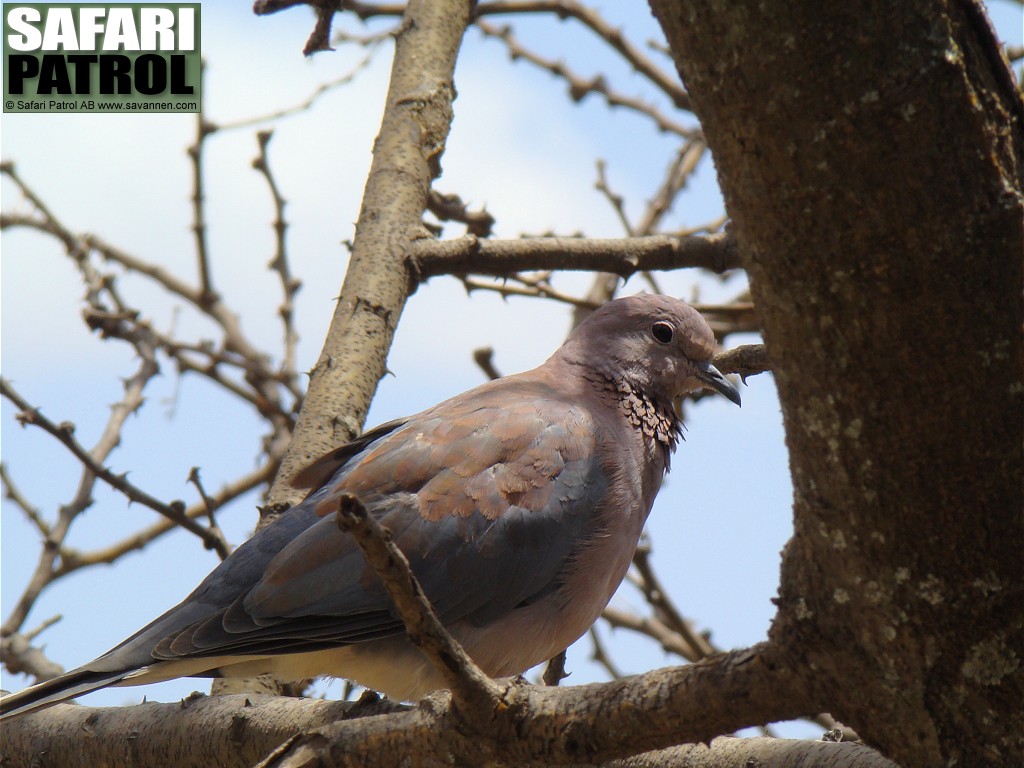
<point>657,344</point>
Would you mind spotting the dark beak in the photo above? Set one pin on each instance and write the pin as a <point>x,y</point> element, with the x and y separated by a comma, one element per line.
<point>714,379</point>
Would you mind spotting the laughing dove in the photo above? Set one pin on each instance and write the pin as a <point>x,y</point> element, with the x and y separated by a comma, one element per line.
<point>518,504</point>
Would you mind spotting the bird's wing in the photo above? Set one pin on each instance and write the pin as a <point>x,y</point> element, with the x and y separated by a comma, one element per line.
<point>488,497</point>
<point>318,473</point>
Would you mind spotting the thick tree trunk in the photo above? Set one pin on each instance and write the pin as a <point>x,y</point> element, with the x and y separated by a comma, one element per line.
<point>870,157</point>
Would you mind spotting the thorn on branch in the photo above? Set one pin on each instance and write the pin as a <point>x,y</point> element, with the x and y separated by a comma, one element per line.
<point>27,416</point>
<point>622,256</point>
<point>279,263</point>
<point>452,208</point>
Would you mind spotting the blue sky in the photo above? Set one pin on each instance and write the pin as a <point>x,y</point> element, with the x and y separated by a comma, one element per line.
<point>516,145</point>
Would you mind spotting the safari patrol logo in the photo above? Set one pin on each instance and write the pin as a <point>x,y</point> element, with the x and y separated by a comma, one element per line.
<point>93,57</point>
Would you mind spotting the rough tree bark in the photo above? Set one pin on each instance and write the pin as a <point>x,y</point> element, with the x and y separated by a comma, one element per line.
<point>870,157</point>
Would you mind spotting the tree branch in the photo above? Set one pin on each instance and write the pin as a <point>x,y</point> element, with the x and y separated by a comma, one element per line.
<point>470,686</point>
<point>406,158</point>
<point>624,256</point>
<point>64,432</point>
<point>568,726</point>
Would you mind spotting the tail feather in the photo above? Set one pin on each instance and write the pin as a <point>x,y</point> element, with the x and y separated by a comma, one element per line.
<point>67,686</point>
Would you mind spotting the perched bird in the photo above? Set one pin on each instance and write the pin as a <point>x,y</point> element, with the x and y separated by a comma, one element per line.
<point>518,504</point>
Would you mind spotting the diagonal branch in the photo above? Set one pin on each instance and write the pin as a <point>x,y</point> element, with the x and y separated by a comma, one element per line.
<point>64,432</point>
<point>666,82</point>
<point>470,686</point>
<point>407,153</point>
<point>580,87</point>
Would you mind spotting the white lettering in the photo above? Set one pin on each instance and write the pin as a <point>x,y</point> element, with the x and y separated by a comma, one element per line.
<point>159,29</point>
<point>59,30</point>
<point>29,39</point>
<point>186,29</point>
<point>121,31</point>
<point>88,27</point>
<point>157,22</point>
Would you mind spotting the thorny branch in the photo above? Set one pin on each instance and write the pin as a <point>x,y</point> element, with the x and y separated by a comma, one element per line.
<point>663,80</point>
<point>624,257</point>
<point>207,295</point>
<point>64,432</point>
<point>580,87</point>
<point>289,285</point>
<point>235,365</point>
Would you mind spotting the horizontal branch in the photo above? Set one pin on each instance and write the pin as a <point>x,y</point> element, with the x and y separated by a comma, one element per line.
<point>573,725</point>
<point>761,752</point>
<point>623,256</point>
<point>72,559</point>
<point>558,726</point>
<point>227,731</point>
<point>746,360</point>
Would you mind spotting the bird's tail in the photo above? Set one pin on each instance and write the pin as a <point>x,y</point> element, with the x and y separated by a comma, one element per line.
<point>67,686</point>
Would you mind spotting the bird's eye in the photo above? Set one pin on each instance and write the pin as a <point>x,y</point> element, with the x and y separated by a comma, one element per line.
<point>662,332</point>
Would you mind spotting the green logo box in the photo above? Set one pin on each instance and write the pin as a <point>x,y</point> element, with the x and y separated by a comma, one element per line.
<point>102,57</point>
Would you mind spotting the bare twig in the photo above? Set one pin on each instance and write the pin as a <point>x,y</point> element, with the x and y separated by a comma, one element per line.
<point>34,633</point>
<point>670,640</point>
<point>21,657</point>
<point>72,560</point>
<point>605,284</point>
<point>580,87</point>
<point>600,655</point>
<point>12,492</point>
<point>64,433</point>
<point>451,208</point>
<point>746,360</point>
<point>319,38</point>
<point>591,19</point>
<point>306,103</point>
<point>616,200</point>
<point>677,175</point>
<point>289,285</point>
<point>258,373</point>
<point>208,503</point>
<point>520,284</point>
<point>665,609</point>
<point>666,82</point>
<point>195,152</point>
<point>368,38</point>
